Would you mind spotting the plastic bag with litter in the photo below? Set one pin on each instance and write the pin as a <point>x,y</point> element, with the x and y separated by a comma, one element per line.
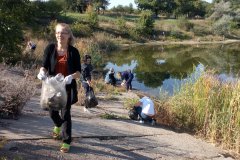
<point>53,94</point>
<point>91,100</point>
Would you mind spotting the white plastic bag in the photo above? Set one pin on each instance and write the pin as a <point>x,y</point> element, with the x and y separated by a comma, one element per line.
<point>54,94</point>
<point>123,83</point>
<point>107,80</point>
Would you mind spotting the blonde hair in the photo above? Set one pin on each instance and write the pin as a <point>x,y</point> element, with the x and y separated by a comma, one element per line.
<point>68,29</point>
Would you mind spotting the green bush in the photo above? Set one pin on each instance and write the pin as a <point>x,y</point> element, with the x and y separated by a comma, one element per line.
<point>81,30</point>
<point>12,20</point>
<point>93,50</point>
<point>92,17</point>
<point>134,34</point>
<point>234,25</point>
<point>145,24</point>
<point>121,24</point>
<point>50,31</point>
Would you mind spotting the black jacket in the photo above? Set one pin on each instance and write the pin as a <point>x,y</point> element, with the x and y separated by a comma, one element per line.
<point>86,72</point>
<point>50,59</point>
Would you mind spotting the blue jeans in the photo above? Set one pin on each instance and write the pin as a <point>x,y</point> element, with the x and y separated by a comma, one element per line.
<point>129,85</point>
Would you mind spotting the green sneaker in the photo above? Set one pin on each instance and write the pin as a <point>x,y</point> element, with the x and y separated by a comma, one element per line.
<point>56,132</point>
<point>65,148</point>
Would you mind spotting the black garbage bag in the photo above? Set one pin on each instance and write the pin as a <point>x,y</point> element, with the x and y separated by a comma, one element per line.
<point>91,100</point>
<point>133,114</point>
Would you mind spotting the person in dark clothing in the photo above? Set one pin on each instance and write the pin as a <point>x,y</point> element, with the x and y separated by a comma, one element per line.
<point>86,73</point>
<point>110,77</point>
<point>129,80</point>
<point>62,57</point>
<point>123,76</point>
<point>127,77</point>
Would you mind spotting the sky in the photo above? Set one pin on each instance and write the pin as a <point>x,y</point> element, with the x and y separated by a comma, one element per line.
<point>127,2</point>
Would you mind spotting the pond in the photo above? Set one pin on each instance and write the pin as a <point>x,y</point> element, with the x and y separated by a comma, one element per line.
<point>163,67</point>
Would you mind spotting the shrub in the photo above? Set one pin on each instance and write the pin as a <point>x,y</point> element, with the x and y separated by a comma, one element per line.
<point>145,24</point>
<point>49,32</point>
<point>15,91</point>
<point>134,34</point>
<point>81,30</point>
<point>222,26</point>
<point>92,17</point>
<point>121,24</point>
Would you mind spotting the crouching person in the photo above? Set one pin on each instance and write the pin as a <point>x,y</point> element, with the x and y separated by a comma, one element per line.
<point>110,77</point>
<point>144,111</point>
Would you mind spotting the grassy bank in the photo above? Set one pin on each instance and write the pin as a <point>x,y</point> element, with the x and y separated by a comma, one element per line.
<point>208,107</point>
<point>119,26</point>
<point>120,29</point>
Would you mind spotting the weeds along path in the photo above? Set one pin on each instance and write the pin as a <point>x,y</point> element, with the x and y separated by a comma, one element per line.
<point>96,137</point>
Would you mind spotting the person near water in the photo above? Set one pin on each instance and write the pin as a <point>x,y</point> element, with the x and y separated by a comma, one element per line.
<point>126,77</point>
<point>145,110</point>
<point>110,77</point>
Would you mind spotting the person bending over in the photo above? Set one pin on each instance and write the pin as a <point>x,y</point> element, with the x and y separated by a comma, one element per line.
<point>145,110</point>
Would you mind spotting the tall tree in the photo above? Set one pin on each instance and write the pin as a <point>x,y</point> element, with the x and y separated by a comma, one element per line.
<point>77,5</point>
<point>81,5</point>
<point>13,16</point>
<point>100,4</point>
<point>156,6</point>
<point>190,8</point>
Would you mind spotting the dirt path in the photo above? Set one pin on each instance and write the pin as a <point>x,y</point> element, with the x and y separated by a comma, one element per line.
<point>96,138</point>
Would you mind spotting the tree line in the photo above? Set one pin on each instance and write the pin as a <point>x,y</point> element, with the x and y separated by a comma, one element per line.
<point>17,16</point>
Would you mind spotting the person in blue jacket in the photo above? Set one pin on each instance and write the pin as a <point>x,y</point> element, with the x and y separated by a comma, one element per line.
<point>127,77</point>
<point>129,80</point>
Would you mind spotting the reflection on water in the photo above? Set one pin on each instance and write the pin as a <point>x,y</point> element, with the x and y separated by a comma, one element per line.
<point>168,66</point>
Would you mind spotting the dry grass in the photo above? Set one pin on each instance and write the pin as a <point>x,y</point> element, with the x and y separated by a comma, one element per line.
<point>210,108</point>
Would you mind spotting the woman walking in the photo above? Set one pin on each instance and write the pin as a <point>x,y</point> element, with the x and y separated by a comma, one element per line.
<point>62,57</point>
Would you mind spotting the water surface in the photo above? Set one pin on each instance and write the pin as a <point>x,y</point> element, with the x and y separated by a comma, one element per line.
<point>166,66</point>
